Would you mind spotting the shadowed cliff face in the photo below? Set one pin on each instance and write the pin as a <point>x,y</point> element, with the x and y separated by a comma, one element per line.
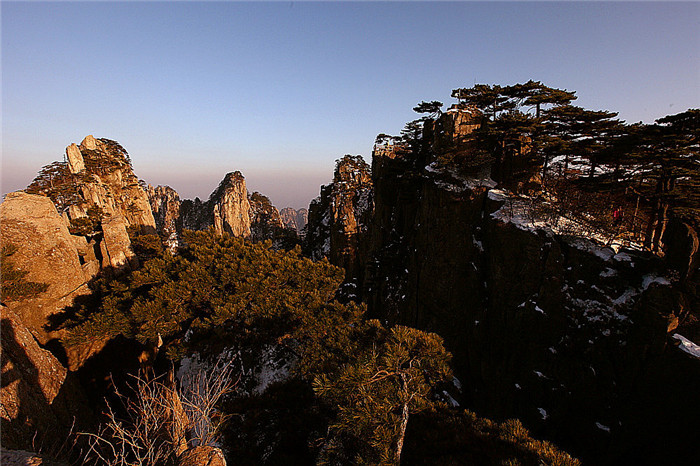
<point>40,398</point>
<point>339,218</point>
<point>573,338</point>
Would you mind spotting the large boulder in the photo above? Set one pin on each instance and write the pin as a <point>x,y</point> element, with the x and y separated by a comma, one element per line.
<point>47,252</point>
<point>41,400</point>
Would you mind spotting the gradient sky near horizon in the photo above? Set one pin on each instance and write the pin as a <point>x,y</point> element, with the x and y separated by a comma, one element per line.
<point>281,90</point>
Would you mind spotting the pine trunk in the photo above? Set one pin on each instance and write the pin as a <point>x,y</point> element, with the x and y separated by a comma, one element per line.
<point>661,221</point>
<point>402,432</point>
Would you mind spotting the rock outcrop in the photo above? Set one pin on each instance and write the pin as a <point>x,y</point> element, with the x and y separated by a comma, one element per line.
<point>48,253</point>
<point>227,210</point>
<point>295,219</point>
<point>105,179</point>
<point>25,458</point>
<point>265,220</point>
<point>575,339</point>
<point>99,197</point>
<point>231,206</point>
<point>165,204</point>
<point>40,399</point>
<point>339,218</point>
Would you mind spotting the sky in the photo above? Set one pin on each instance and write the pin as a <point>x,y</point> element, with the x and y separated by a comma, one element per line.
<point>279,91</point>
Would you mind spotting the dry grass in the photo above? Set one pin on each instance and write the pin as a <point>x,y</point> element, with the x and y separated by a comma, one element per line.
<point>162,421</point>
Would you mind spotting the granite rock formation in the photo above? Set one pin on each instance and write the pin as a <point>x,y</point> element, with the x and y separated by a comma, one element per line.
<point>40,399</point>
<point>48,252</point>
<point>581,342</point>
<point>265,220</point>
<point>165,205</point>
<point>339,218</point>
<point>99,197</point>
<point>227,210</point>
<point>105,179</point>
<point>295,219</point>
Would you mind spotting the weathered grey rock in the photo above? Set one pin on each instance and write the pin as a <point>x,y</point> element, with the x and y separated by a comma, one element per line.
<point>202,456</point>
<point>38,395</point>
<point>76,164</point>
<point>47,252</point>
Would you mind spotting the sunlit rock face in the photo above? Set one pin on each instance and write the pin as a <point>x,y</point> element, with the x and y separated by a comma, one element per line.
<point>47,252</point>
<point>165,204</point>
<point>265,219</point>
<point>227,210</point>
<point>339,218</point>
<point>104,178</point>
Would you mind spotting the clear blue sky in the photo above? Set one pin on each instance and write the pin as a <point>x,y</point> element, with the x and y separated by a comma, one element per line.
<point>281,90</point>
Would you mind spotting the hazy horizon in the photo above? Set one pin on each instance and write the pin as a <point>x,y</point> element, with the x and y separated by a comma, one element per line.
<point>280,91</point>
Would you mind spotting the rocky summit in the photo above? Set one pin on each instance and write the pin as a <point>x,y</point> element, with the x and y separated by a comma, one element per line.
<point>339,218</point>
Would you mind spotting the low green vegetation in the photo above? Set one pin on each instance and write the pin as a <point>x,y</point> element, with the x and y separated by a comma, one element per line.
<point>356,384</point>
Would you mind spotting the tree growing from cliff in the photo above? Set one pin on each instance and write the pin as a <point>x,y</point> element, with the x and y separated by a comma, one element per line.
<point>55,181</point>
<point>377,393</point>
<point>514,137</point>
<point>431,108</point>
<point>668,154</point>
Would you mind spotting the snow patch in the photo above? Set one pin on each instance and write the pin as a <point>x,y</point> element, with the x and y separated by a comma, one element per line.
<point>454,403</point>
<point>649,279</point>
<point>270,370</point>
<point>626,296</point>
<point>602,427</point>
<point>687,345</point>
<point>543,413</point>
<point>622,257</point>
<point>497,195</point>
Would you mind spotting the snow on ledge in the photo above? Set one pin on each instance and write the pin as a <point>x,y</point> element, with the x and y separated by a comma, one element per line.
<point>687,345</point>
<point>649,279</point>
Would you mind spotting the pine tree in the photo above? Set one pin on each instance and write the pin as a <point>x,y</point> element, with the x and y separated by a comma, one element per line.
<point>376,394</point>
